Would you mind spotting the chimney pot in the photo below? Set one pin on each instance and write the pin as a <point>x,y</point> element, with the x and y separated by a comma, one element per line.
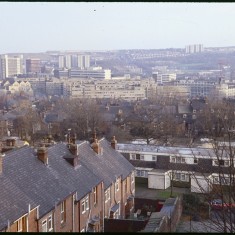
<point>113,142</point>
<point>73,138</point>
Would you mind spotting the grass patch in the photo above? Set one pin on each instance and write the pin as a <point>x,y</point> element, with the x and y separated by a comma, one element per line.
<point>166,194</point>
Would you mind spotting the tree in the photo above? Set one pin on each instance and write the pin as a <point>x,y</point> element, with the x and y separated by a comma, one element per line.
<point>218,180</point>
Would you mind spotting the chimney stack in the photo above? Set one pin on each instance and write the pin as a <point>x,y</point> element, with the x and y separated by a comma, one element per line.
<point>11,142</point>
<point>113,143</point>
<point>42,154</point>
<point>95,146</point>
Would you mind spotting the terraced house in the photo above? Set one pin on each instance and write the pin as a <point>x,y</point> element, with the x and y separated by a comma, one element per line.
<point>64,187</point>
<point>199,169</point>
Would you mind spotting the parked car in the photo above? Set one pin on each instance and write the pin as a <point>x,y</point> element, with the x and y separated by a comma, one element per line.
<point>217,204</point>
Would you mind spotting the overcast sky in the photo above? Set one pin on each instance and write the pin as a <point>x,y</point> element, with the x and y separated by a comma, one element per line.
<point>38,26</point>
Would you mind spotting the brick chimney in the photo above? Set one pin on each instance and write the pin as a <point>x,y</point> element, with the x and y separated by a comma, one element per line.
<point>95,146</point>
<point>11,142</point>
<point>42,154</point>
<point>73,149</point>
<point>113,143</point>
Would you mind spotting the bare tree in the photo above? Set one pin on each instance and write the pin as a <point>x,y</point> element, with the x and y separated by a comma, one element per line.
<point>215,179</point>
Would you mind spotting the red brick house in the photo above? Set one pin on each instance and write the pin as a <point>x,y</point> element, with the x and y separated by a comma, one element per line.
<point>64,187</point>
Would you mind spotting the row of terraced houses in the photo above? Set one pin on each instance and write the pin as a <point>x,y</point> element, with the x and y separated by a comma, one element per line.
<point>70,186</point>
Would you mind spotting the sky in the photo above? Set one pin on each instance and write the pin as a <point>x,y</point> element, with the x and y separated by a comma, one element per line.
<point>45,26</point>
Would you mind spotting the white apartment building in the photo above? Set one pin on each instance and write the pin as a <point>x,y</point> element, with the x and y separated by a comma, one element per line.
<point>90,73</point>
<point>83,61</point>
<point>130,89</point>
<point>195,48</point>
<point>226,90</point>
<point>162,78</point>
<point>74,61</point>
<point>11,66</point>
<point>197,87</point>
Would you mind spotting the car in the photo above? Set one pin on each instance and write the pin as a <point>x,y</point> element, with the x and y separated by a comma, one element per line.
<point>217,204</point>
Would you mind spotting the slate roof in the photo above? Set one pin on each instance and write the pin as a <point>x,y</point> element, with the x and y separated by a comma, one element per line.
<point>13,202</point>
<point>108,165</point>
<point>47,185</point>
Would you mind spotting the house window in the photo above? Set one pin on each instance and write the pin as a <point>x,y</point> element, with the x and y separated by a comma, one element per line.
<point>182,160</point>
<point>62,212</point>
<point>50,223</point>
<point>154,158</point>
<point>221,163</point>
<point>95,195</point>
<point>44,226</point>
<point>195,160</point>
<point>19,225</point>
<point>117,185</point>
<point>137,172</point>
<point>107,195</point>
<point>216,180</point>
<point>177,176</point>
<point>132,156</point>
<point>83,206</point>
<point>132,177</point>
<point>173,159</point>
<point>137,156</point>
<point>183,177</point>
<point>87,203</point>
<point>225,181</point>
<point>178,159</point>
<point>141,157</point>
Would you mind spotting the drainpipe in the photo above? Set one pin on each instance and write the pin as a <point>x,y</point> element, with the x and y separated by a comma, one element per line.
<point>103,204</point>
<point>54,218</point>
<point>8,226</point>
<point>73,201</point>
<point>38,218</point>
<point>79,217</point>
<point>27,221</point>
